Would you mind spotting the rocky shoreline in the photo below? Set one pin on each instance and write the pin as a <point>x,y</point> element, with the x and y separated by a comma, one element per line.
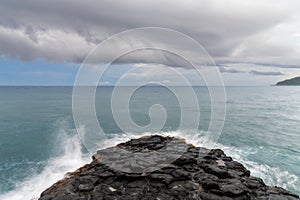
<point>198,173</point>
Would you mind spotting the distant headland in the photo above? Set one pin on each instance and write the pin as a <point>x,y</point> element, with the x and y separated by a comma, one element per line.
<point>292,81</point>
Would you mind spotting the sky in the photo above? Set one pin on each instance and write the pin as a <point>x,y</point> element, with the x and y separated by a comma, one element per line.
<point>252,42</point>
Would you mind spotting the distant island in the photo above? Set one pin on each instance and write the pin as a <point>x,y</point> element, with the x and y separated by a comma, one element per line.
<point>292,81</point>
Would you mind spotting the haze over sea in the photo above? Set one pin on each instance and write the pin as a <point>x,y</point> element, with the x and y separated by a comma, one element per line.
<point>38,141</point>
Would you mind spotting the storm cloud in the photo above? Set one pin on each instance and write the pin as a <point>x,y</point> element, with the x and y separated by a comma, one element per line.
<point>230,70</point>
<point>65,31</point>
<point>263,73</point>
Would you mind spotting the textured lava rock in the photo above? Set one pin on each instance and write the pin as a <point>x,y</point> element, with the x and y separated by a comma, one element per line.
<point>197,173</point>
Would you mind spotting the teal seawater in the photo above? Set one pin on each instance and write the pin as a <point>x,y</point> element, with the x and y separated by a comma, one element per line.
<point>38,142</point>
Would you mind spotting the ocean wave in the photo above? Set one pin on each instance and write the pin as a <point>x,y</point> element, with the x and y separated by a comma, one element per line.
<point>73,158</point>
<point>271,175</point>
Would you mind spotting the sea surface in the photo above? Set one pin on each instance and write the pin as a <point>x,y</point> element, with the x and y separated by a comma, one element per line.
<point>39,142</point>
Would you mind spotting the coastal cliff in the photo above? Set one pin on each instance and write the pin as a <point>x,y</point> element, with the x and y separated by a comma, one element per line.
<point>292,81</point>
<point>198,173</point>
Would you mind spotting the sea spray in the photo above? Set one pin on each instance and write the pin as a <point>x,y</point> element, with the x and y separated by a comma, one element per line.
<point>70,159</point>
<point>73,158</point>
<point>189,177</point>
<point>270,174</point>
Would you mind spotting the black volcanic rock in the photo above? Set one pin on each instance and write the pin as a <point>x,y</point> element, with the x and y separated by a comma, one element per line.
<point>197,174</point>
<point>293,81</point>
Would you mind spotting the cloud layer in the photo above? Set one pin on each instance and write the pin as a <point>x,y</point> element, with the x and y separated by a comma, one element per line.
<point>231,31</point>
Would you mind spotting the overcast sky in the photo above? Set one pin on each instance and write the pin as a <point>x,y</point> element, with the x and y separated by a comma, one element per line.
<point>254,42</point>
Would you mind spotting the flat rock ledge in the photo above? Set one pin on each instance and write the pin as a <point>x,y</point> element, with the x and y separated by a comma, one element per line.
<point>198,173</point>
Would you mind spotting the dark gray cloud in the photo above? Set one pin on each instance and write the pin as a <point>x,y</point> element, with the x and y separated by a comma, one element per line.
<point>264,73</point>
<point>66,30</point>
<point>233,70</point>
<point>230,70</point>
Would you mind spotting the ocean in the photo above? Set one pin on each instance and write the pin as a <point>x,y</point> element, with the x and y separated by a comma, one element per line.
<point>39,144</point>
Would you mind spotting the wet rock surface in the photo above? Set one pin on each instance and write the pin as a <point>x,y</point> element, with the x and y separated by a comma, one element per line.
<point>187,172</point>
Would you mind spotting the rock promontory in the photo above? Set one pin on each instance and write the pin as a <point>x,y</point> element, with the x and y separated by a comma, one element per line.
<point>293,81</point>
<point>198,173</point>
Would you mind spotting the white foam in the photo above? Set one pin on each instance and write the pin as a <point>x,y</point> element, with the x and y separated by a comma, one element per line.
<point>271,175</point>
<point>71,159</point>
<point>115,139</point>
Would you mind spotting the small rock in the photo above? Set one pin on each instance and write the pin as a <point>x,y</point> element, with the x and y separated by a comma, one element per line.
<point>221,163</point>
<point>112,189</point>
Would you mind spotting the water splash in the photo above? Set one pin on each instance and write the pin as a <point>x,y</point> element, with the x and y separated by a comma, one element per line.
<point>70,159</point>
<point>271,175</point>
<point>73,158</point>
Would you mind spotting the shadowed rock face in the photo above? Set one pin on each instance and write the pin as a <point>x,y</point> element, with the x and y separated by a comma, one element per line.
<point>292,81</point>
<point>197,174</point>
